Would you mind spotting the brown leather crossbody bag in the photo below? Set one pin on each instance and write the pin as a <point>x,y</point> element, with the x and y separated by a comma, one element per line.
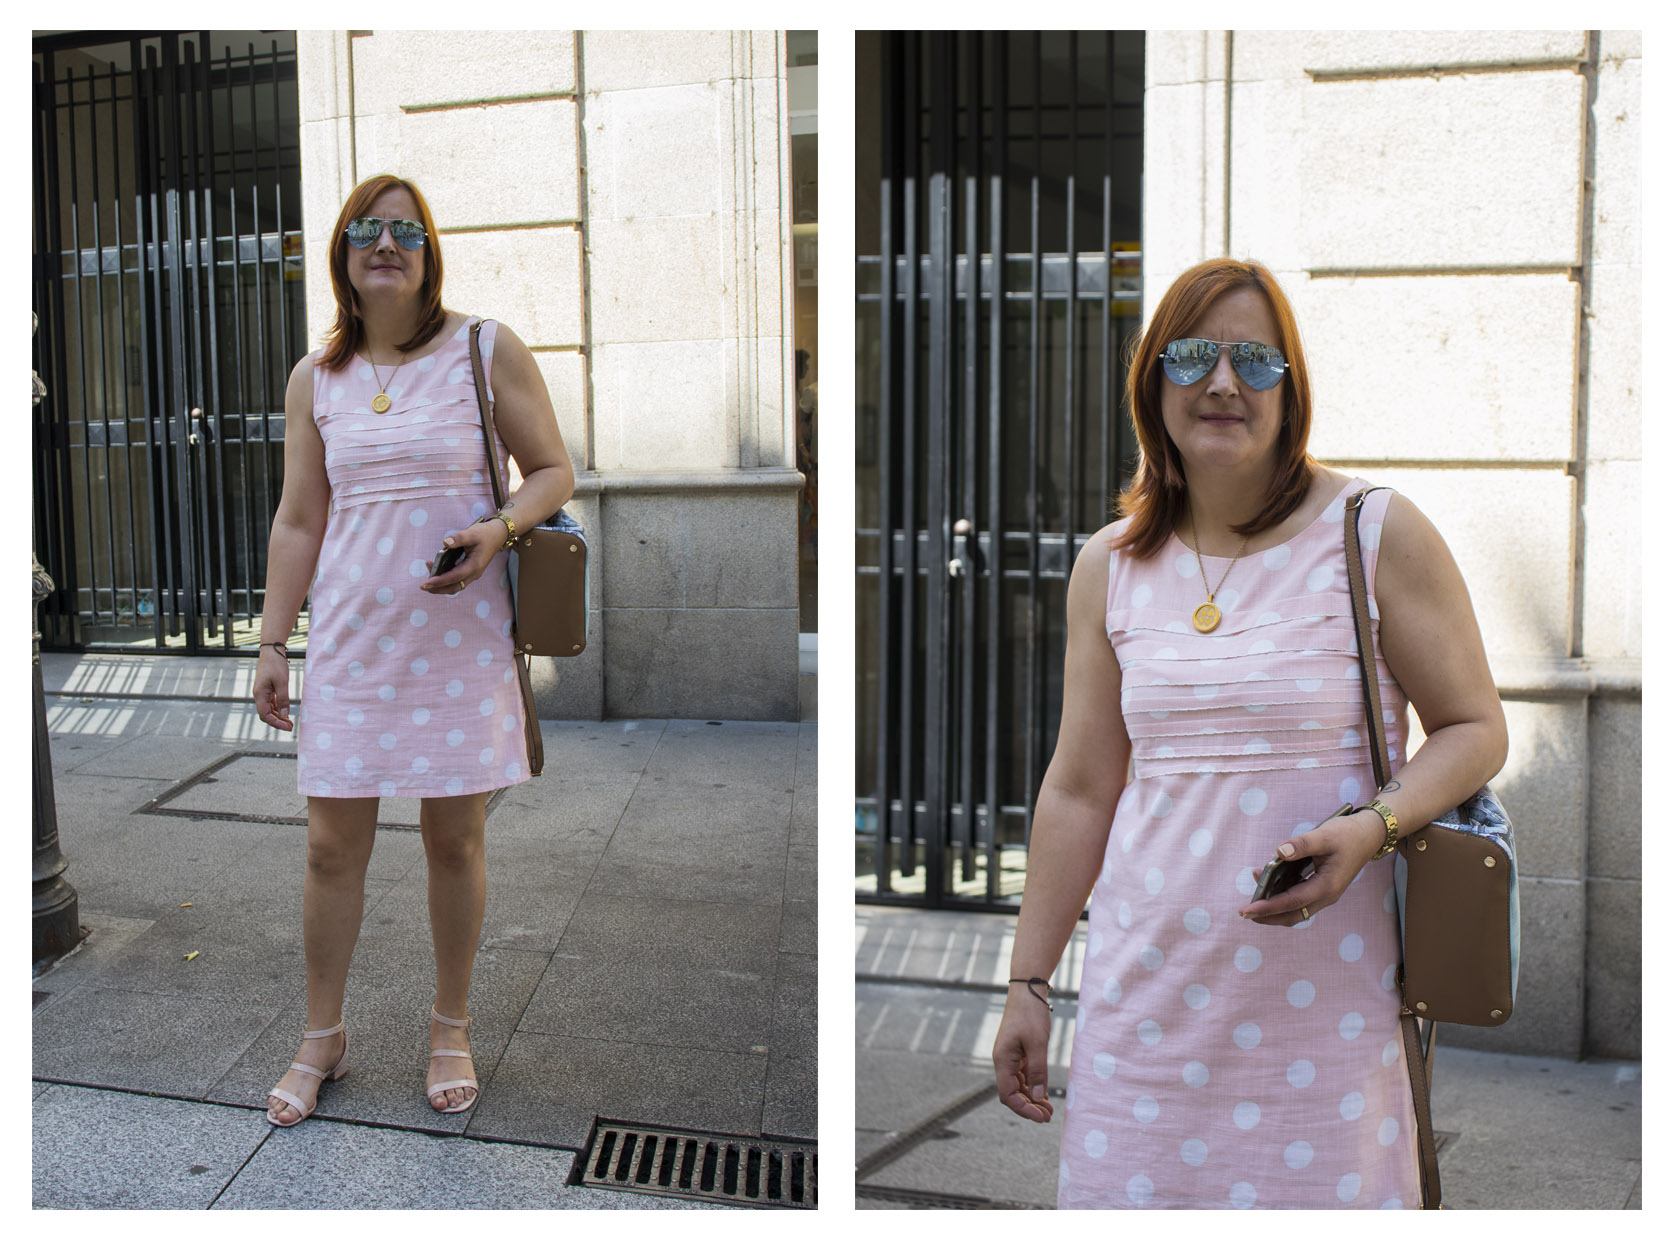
<point>1456,897</point>
<point>548,572</point>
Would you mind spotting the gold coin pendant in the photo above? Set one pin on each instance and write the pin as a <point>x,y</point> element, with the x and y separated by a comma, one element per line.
<point>380,403</point>
<point>1206,617</point>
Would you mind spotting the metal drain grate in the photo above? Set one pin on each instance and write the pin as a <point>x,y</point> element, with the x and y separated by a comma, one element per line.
<point>701,1166</point>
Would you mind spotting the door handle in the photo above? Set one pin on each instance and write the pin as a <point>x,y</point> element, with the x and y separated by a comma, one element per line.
<point>962,548</point>
<point>192,435</point>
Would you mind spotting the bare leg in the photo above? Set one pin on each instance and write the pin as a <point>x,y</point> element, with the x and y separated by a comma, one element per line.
<point>340,836</point>
<point>453,833</point>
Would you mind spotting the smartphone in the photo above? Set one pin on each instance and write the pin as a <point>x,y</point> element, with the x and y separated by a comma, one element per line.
<point>1282,875</point>
<point>446,559</point>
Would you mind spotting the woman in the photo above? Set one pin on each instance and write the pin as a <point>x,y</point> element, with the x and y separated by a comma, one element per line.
<point>1230,1051</point>
<point>411,690</point>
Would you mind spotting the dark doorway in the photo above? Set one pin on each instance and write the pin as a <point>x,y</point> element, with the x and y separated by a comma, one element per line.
<point>998,225</point>
<point>168,281</point>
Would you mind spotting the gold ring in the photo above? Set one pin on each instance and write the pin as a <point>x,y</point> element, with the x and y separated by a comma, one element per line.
<point>1305,912</point>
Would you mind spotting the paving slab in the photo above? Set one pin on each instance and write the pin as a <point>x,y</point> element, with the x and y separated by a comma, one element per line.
<point>352,1167</point>
<point>566,815</point>
<point>246,958</point>
<point>176,1044</point>
<point>895,1091</point>
<point>790,1107</point>
<point>386,1012</point>
<point>989,1152</point>
<point>796,1005</point>
<point>530,892</point>
<point>673,972</point>
<point>98,1150</point>
<point>549,1089</point>
<point>612,752</point>
<point>263,784</point>
<point>72,751</point>
<point>959,1024</point>
<point>1596,1105</point>
<point>98,952</point>
<point>799,926</point>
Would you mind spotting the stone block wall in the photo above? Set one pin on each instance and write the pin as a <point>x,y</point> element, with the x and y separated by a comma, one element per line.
<point>619,198</point>
<point>1456,218</point>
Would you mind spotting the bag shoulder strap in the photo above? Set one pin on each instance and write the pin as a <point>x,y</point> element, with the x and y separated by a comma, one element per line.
<point>1364,635</point>
<point>485,407</point>
<point>1419,1057</point>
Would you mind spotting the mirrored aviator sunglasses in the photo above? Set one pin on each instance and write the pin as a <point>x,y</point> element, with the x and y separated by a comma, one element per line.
<point>365,231</point>
<point>1259,366</point>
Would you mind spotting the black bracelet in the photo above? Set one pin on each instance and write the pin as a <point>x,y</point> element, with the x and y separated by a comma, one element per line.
<point>279,646</point>
<point>1030,983</point>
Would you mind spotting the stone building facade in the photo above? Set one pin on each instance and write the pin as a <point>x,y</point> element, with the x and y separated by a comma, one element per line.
<point>1456,216</point>
<point>620,200</point>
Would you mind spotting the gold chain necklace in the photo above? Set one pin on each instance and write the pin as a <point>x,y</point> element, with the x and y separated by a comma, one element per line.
<point>1207,615</point>
<point>381,402</point>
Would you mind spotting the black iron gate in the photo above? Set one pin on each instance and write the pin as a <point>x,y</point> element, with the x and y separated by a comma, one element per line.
<point>168,280</point>
<point>997,281</point>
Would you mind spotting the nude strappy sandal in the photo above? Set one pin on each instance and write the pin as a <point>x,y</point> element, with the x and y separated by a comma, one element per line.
<point>329,1074</point>
<point>465,1082</point>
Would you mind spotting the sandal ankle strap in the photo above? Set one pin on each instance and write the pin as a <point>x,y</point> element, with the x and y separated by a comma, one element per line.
<point>323,1033</point>
<point>449,1020</point>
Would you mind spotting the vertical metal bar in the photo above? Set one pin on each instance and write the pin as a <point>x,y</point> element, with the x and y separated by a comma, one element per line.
<point>214,438</point>
<point>966,504</point>
<point>122,340</point>
<point>277,400</point>
<point>48,271</point>
<point>262,376</point>
<point>89,528</point>
<point>1071,308</point>
<point>999,42</point>
<point>148,258</point>
<point>937,472</point>
<point>99,318</point>
<point>912,742</point>
<point>179,292</point>
<point>247,479</point>
<point>888,523</point>
<point>1106,414</point>
<point>67,573</point>
<point>1036,690</point>
<point>199,466</point>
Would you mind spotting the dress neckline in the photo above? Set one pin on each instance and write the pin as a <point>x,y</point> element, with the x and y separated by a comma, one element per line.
<point>445,336</point>
<point>1343,491</point>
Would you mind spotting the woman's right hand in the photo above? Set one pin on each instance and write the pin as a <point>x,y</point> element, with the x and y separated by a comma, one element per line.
<point>273,689</point>
<point>1020,1056</point>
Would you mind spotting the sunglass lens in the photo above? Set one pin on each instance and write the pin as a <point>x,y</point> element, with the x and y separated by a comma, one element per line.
<point>363,232</point>
<point>1259,366</point>
<point>1185,362</point>
<point>408,234</point>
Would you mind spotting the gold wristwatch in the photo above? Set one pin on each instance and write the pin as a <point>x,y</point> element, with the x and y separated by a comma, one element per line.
<point>511,529</point>
<point>1389,816</point>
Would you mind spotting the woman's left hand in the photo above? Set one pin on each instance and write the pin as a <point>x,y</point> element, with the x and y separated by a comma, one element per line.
<point>1340,847</point>
<point>483,541</point>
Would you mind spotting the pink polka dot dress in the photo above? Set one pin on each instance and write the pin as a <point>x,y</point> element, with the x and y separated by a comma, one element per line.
<point>1217,1063</point>
<point>407,693</point>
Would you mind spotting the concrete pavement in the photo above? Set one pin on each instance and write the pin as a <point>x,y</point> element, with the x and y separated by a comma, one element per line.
<point>647,955</point>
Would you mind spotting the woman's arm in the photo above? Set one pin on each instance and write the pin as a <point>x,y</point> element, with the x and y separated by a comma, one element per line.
<point>299,521</point>
<point>523,415</point>
<point>1072,823</point>
<point>1432,645</point>
<point>299,527</point>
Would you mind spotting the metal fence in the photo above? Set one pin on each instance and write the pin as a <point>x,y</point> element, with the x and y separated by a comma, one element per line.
<point>997,283</point>
<point>168,278</point>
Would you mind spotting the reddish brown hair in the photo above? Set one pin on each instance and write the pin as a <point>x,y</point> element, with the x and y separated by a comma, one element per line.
<point>347,332</point>
<point>1156,496</point>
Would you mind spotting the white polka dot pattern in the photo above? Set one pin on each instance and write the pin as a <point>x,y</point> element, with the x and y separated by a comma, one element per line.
<point>1224,1063</point>
<point>373,632</point>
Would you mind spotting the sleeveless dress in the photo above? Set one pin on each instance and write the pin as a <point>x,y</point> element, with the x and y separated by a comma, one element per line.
<point>1219,1063</point>
<point>407,693</point>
